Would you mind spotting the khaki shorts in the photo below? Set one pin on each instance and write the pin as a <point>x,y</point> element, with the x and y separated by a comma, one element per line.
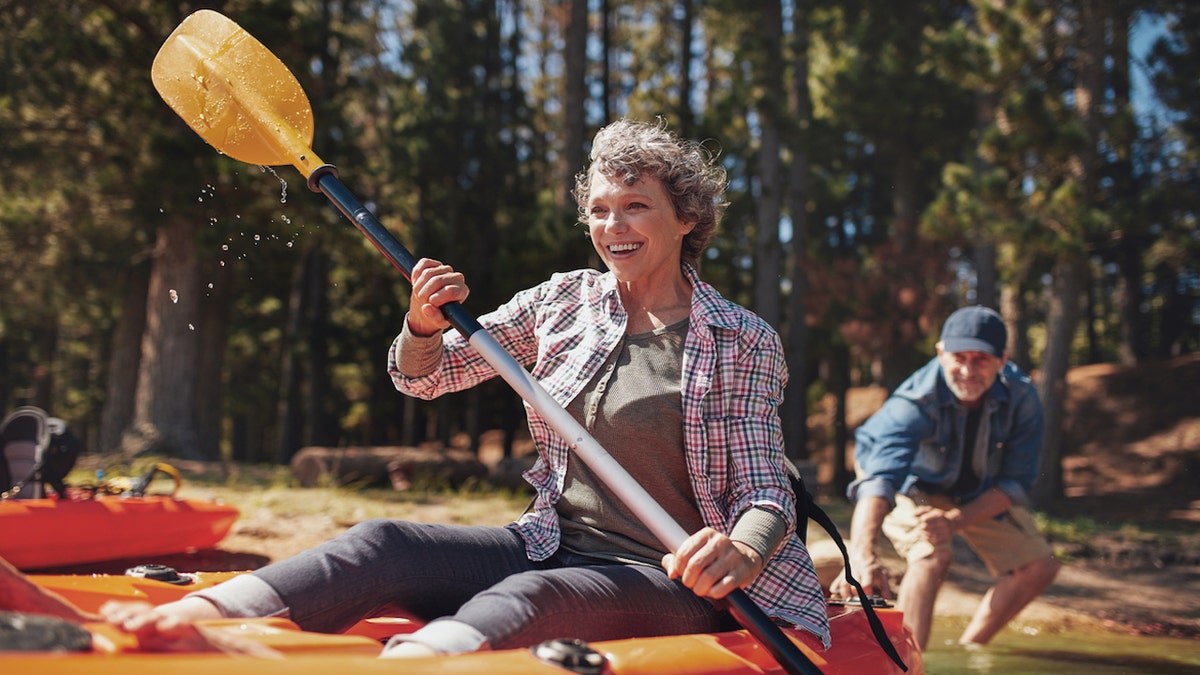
<point>1004,543</point>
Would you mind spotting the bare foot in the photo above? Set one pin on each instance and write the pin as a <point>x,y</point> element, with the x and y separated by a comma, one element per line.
<point>19,594</point>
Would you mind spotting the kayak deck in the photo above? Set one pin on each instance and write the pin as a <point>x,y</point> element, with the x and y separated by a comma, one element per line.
<point>854,647</point>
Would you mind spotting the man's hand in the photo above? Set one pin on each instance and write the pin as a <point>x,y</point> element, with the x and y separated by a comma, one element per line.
<point>864,564</point>
<point>869,572</point>
<point>936,525</point>
<point>713,565</point>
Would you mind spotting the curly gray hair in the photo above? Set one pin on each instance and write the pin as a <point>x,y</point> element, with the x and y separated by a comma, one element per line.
<point>688,171</point>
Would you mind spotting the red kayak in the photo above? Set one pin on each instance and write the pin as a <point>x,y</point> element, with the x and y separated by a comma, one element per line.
<point>295,652</point>
<point>42,533</point>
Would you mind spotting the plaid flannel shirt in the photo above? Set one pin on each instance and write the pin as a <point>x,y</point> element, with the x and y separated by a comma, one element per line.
<point>733,378</point>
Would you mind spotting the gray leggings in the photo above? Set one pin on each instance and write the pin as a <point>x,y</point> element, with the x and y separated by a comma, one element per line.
<point>481,576</point>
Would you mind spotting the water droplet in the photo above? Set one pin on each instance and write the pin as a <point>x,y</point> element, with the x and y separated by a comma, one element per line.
<point>174,295</point>
<point>282,182</point>
<point>191,327</point>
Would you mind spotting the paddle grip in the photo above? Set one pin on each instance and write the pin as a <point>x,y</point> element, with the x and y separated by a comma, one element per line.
<point>324,179</point>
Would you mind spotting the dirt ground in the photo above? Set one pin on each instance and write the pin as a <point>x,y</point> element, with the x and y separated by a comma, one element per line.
<point>1133,460</point>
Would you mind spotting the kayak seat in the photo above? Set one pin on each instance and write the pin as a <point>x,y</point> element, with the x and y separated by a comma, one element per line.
<point>36,451</point>
<point>24,435</point>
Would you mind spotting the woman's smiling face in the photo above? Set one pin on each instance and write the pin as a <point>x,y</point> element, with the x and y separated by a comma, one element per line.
<point>634,227</point>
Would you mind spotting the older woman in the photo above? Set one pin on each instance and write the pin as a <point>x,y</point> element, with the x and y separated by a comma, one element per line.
<point>678,384</point>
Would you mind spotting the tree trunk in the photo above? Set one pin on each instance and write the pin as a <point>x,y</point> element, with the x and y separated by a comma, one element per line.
<point>983,250</point>
<point>606,22</point>
<point>124,359</point>
<point>1070,269</point>
<point>897,362</point>
<point>322,427</point>
<point>1061,319</point>
<point>768,252</point>
<point>794,411</point>
<point>1091,314</point>
<point>1016,319</point>
<point>212,331</point>
<point>1131,349</point>
<point>840,383</point>
<point>289,420</point>
<point>164,406</point>
<point>687,16</point>
<point>574,94</point>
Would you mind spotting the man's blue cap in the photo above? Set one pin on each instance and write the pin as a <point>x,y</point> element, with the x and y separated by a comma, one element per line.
<point>975,329</point>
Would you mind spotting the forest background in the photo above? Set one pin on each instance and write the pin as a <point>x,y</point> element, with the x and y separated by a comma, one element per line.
<point>889,162</point>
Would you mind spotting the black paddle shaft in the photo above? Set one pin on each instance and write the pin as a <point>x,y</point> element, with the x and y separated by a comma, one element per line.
<point>324,179</point>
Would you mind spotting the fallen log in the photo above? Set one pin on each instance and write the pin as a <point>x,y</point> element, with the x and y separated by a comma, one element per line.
<point>452,467</point>
<point>398,466</point>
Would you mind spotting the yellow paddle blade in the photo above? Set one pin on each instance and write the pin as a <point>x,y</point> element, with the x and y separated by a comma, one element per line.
<point>235,93</point>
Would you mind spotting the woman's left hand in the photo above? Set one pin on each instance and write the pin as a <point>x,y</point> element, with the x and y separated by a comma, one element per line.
<point>712,564</point>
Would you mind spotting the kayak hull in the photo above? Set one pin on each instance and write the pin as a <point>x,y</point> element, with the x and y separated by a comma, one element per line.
<point>44,533</point>
<point>854,648</point>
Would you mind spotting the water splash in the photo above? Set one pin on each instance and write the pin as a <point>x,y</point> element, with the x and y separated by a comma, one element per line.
<point>282,182</point>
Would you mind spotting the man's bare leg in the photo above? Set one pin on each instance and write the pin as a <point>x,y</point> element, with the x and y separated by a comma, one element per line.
<point>918,592</point>
<point>1008,597</point>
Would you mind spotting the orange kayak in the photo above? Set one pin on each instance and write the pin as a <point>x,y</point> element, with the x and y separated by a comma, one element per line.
<point>854,650</point>
<point>42,533</point>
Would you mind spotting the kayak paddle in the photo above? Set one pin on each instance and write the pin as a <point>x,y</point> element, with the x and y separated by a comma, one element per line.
<point>244,101</point>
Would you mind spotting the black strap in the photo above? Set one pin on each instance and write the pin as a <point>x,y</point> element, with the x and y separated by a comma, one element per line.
<point>806,509</point>
<point>818,515</point>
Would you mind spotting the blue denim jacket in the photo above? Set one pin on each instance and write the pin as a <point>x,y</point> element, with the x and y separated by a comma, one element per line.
<point>917,436</point>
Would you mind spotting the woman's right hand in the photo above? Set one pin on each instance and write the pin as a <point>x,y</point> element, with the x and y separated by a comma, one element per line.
<point>433,285</point>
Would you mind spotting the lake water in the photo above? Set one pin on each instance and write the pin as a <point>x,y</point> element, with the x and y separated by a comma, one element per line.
<point>1028,651</point>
